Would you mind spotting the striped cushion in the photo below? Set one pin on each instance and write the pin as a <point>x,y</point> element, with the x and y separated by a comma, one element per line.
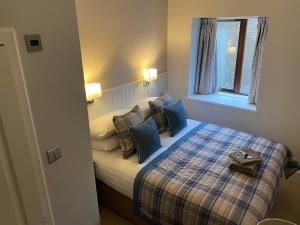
<point>122,124</point>
<point>157,113</point>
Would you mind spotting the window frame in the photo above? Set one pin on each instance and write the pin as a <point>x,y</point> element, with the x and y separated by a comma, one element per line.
<point>240,56</point>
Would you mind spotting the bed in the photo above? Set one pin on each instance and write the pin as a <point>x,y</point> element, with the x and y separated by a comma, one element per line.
<point>187,181</point>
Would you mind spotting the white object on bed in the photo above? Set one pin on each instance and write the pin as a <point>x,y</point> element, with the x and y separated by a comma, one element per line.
<point>103,127</point>
<point>106,144</point>
<point>119,173</point>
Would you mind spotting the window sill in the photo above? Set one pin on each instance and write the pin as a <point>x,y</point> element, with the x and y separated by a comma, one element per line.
<point>226,99</point>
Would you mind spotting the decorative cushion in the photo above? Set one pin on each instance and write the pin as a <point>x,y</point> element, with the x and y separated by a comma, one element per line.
<point>176,117</point>
<point>157,113</point>
<point>144,105</point>
<point>103,127</point>
<point>122,125</point>
<point>107,144</point>
<point>146,139</point>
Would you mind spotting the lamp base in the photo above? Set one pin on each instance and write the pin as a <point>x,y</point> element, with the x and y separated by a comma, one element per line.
<point>90,101</point>
<point>147,83</point>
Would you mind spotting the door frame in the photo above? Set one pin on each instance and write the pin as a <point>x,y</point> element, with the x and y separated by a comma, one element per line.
<point>9,35</point>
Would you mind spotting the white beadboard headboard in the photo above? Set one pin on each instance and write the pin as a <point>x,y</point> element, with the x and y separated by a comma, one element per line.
<point>125,95</point>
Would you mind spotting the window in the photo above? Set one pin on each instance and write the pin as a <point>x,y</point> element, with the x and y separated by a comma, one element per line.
<point>226,60</point>
<point>236,39</point>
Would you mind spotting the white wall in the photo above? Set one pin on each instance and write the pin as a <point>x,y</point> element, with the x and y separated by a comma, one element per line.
<point>56,90</point>
<point>279,105</point>
<point>119,39</point>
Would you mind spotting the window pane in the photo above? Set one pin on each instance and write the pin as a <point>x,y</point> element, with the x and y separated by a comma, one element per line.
<point>250,43</point>
<point>227,45</point>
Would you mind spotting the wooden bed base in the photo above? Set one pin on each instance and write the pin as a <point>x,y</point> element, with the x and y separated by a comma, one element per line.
<point>118,202</point>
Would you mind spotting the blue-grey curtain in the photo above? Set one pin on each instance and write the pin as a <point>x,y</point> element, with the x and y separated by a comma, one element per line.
<point>206,68</point>
<point>262,28</point>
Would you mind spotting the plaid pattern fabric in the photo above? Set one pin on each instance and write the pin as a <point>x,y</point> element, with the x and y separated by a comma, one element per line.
<point>122,125</point>
<point>157,113</point>
<point>191,183</point>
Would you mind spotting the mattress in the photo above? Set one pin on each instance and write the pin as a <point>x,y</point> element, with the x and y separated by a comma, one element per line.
<point>118,173</point>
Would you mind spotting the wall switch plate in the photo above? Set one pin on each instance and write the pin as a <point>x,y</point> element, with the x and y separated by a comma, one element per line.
<point>54,154</point>
<point>33,42</point>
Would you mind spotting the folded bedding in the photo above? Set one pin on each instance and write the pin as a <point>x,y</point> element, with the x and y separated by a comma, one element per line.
<point>246,156</point>
<point>245,160</point>
<point>190,183</point>
<point>250,169</point>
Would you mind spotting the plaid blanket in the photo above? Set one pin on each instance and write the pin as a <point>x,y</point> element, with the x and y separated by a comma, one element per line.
<point>191,184</point>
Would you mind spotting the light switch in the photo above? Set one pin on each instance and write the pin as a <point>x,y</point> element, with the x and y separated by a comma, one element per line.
<point>51,156</point>
<point>33,42</point>
<point>54,153</point>
<point>57,153</point>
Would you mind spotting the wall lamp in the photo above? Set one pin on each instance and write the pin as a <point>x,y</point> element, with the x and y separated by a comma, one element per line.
<point>150,75</point>
<point>92,91</point>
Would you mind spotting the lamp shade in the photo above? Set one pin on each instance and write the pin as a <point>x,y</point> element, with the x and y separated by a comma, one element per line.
<point>150,74</point>
<point>92,91</point>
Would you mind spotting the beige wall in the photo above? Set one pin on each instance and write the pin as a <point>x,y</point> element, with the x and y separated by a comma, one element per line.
<point>279,104</point>
<point>55,84</point>
<point>119,39</point>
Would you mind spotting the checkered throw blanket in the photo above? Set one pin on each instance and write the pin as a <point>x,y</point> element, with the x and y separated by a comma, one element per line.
<point>191,184</point>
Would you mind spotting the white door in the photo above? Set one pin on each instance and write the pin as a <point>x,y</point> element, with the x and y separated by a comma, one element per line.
<point>23,192</point>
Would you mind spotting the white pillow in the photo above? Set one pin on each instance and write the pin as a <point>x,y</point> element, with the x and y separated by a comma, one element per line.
<point>144,105</point>
<point>107,144</point>
<point>103,127</point>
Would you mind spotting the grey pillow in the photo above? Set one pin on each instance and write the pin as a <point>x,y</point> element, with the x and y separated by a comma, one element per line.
<point>122,124</point>
<point>157,113</point>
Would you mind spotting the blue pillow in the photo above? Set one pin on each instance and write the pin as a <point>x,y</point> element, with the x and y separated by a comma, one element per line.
<point>176,116</point>
<point>146,139</point>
